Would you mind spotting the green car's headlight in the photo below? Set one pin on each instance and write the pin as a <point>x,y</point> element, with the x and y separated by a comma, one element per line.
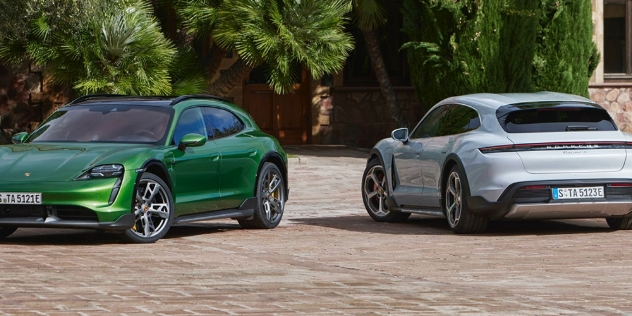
<point>104,171</point>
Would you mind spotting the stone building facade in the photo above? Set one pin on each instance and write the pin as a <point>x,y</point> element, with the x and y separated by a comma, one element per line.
<point>611,83</point>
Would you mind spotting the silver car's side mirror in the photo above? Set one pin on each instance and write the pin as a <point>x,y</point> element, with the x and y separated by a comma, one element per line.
<point>400,134</point>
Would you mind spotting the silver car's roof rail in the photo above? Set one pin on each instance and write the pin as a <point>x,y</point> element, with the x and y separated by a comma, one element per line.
<point>196,96</point>
<point>96,96</point>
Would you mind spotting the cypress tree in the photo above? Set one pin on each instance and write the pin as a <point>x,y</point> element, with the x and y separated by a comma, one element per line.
<point>471,46</point>
<point>565,53</point>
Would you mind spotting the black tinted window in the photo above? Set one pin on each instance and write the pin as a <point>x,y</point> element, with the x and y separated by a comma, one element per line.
<point>189,122</point>
<point>537,118</point>
<point>221,123</point>
<point>448,120</point>
<point>430,123</point>
<point>459,119</point>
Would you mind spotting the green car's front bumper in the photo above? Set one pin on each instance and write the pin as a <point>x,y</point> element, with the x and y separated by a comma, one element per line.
<point>94,203</point>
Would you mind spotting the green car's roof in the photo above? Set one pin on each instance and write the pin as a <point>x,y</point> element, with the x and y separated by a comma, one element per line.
<point>148,100</point>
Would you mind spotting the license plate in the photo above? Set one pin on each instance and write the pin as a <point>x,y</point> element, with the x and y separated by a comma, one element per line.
<point>20,198</point>
<point>578,193</point>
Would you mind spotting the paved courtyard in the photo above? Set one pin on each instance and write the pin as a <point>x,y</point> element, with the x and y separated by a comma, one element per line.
<point>326,258</point>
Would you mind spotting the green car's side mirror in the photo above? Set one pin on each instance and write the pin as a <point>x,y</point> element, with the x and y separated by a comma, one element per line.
<point>19,138</point>
<point>191,140</point>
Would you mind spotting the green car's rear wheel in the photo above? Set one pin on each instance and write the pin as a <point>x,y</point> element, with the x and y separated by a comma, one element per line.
<point>153,208</point>
<point>6,231</point>
<point>270,199</point>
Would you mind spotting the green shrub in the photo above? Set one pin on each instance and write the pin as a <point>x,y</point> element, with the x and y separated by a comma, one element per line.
<point>498,46</point>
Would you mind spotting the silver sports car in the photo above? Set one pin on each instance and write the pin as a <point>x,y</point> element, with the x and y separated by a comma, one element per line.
<point>482,157</point>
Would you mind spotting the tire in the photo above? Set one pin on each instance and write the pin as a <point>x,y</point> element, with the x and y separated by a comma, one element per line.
<point>375,191</point>
<point>270,199</point>
<point>620,223</point>
<point>6,231</point>
<point>154,210</point>
<point>460,218</point>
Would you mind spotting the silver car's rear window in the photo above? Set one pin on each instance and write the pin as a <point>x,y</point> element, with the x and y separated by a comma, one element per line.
<point>554,117</point>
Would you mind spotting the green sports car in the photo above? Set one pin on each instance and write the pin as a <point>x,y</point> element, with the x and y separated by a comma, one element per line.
<point>138,165</point>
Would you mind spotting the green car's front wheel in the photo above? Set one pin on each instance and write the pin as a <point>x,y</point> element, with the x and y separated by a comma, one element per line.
<point>153,208</point>
<point>270,199</point>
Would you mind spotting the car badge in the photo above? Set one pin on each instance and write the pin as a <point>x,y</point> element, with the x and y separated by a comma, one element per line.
<point>28,174</point>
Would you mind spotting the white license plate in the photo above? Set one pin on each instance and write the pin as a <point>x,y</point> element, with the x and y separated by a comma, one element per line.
<point>20,198</point>
<point>578,193</point>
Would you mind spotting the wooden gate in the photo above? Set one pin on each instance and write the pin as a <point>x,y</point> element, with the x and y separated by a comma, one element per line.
<point>286,116</point>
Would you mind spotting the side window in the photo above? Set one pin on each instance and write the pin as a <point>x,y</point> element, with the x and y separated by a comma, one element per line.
<point>459,119</point>
<point>428,126</point>
<point>190,121</point>
<point>221,123</point>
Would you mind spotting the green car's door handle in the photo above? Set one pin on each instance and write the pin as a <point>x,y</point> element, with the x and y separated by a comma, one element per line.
<point>214,157</point>
<point>252,152</point>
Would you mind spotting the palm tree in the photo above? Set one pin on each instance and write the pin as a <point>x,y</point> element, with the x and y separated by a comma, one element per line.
<point>119,46</point>
<point>280,34</point>
<point>114,47</point>
<point>369,16</point>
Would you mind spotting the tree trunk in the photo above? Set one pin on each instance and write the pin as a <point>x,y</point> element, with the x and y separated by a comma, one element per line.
<point>373,48</point>
<point>213,59</point>
<point>229,78</point>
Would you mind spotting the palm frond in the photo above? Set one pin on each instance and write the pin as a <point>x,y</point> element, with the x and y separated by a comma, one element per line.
<point>283,33</point>
<point>368,14</point>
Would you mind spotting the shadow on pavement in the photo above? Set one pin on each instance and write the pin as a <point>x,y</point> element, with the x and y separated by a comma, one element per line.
<point>326,151</point>
<point>46,236</point>
<point>424,225</point>
<point>200,229</point>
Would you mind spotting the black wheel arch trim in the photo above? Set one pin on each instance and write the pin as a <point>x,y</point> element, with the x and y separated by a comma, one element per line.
<point>375,152</point>
<point>159,164</point>
<point>391,203</point>
<point>284,171</point>
<point>387,169</point>
<point>150,163</point>
<point>444,174</point>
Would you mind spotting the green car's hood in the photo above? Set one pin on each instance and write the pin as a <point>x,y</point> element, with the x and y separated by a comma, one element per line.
<point>59,162</point>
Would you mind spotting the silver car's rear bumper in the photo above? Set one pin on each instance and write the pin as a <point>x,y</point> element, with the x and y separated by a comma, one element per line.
<point>569,210</point>
<point>534,200</point>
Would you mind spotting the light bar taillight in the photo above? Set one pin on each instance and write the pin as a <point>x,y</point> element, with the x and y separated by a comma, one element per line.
<point>556,146</point>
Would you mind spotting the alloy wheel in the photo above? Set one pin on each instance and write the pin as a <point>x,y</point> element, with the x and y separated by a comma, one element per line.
<point>453,199</point>
<point>375,190</point>
<point>272,195</point>
<point>152,209</point>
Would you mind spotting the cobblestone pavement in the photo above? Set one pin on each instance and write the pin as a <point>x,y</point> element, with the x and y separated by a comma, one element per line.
<point>326,258</point>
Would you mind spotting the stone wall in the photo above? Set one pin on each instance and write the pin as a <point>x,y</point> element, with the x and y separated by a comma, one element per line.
<point>616,100</point>
<point>358,117</point>
<point>26,98</point>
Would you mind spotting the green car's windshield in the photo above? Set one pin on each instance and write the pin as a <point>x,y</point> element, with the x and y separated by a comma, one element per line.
<point>110,123</point>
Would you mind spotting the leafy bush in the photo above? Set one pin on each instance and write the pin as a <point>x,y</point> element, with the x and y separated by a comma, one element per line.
<point>471,46</point>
